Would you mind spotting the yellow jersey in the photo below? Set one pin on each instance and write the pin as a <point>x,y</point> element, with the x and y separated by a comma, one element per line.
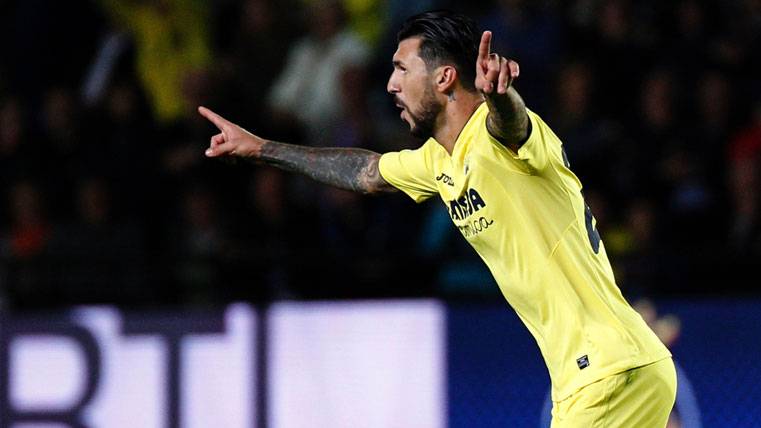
<point>525,215</point>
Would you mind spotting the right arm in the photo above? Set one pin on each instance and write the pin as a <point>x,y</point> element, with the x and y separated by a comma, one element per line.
<point>345,168</point>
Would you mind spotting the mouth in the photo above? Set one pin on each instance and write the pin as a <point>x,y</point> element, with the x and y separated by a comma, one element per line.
<point>401,106</point>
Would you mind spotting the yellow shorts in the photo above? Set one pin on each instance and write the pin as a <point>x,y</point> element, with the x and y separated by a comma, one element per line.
<point>638,398</point>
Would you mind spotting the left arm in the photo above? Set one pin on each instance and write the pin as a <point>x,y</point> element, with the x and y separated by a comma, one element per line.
<point>508,120</point>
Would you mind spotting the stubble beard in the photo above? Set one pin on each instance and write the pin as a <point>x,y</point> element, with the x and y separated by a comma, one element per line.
<point>424,121</point>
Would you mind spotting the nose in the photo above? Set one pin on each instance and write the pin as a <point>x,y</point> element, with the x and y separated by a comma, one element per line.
<point>392,86</point>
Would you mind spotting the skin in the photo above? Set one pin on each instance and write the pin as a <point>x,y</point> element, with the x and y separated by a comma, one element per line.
<point>434,104</point>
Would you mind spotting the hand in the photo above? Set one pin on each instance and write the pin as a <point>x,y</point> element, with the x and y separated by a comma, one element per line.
<point>492,69</point>
<point>232,139</point>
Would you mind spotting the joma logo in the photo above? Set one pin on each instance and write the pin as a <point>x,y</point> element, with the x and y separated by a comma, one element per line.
<point>446,179</point>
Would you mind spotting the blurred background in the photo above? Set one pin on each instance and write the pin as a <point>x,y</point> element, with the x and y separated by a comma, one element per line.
<point>107,198</point>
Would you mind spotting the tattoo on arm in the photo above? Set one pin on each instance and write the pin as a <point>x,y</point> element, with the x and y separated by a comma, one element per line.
<point>508,120</point>
<point>345,168</point>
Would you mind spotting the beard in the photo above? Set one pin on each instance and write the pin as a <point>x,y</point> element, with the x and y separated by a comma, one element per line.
<point>423,121</point>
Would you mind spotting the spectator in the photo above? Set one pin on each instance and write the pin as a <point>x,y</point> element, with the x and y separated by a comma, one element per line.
<point>313,71</point>
<point>618,59</point>
<point>197,246</point>
<point>633,245</point>
<point>692,37</point>
<point>172,48</point>
<point>64,146</point>
<point>97,257</point>
<point>46,43</point>
<point>744,186</point>
<point>273,237</point>
<point>644,96</point>
<point>17,156</point>
<point>253,57</point>
<point>121,127</point>
<point>24,242</point>
<point>529,32</point>
<point>586,136</point>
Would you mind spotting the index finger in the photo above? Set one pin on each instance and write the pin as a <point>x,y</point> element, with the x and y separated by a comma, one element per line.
<point>485,47</point>
<point>216,119</point>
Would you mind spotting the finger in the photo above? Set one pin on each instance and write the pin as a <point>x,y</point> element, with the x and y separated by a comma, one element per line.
<point>485,47</point>
<point>515,69</point>
<point>492,73</point>
<point>214,118</point>
<point>504,76</point>
<point>217,140</point>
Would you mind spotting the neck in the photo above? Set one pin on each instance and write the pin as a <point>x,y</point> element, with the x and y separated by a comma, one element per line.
<point>457,111</point>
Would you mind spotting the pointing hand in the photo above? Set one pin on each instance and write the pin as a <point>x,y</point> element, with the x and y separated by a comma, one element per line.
<point>494,74</point>
<point>232,140</point>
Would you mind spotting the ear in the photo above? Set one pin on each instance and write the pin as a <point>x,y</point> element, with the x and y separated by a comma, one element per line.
<point>445,76</point>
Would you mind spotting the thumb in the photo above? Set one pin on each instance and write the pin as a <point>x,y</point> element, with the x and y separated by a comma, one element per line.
<point>219,150</point>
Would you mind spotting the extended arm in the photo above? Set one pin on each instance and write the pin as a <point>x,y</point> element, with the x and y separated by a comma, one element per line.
<point>346,168</point>
<point>508,119</point>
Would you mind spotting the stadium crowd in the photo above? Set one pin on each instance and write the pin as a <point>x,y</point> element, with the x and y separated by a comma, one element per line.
<point>106,195</point>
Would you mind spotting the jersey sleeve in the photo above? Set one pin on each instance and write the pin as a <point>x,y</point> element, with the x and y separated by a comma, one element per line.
<point>542,146</point>
<point>410,171</point>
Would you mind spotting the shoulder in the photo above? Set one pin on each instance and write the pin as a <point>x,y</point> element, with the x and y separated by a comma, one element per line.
<point>422,158</point>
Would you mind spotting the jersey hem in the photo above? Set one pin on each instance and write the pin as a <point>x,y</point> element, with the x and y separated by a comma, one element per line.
<point>573,388</point>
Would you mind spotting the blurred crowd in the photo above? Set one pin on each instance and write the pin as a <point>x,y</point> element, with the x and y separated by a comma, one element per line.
<point>106,195</point>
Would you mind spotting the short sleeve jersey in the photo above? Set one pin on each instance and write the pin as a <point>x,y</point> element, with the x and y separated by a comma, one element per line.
<point>525,215</point>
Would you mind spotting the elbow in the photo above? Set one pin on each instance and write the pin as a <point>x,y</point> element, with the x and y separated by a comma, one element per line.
<point>376,188</point>
<point>372,181</point>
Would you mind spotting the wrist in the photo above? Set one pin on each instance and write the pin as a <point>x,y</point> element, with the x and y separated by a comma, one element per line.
<point>262,149</point>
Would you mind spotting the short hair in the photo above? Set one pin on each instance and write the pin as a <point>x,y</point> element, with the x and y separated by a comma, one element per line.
<point>446,37</point>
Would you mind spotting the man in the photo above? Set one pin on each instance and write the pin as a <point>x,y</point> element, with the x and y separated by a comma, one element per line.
<point>503,176</point>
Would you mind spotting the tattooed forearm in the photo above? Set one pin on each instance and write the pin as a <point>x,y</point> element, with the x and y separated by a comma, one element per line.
<point>346,168</point>
<point>507,119</point>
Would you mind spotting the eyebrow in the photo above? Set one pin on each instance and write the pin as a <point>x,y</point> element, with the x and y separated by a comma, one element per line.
<point>397,63</point>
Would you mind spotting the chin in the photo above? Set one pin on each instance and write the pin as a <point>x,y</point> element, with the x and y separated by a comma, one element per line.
<point>419,133</point>
<point>412,126</point>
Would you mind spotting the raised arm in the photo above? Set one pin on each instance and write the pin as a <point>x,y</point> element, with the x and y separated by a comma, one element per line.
<point>346,168</point>
<point>507,120</point>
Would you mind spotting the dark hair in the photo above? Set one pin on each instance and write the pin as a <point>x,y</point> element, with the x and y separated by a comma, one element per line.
<point>446,37</point>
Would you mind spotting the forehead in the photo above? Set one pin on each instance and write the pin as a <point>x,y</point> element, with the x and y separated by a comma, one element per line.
<point>407,50</point>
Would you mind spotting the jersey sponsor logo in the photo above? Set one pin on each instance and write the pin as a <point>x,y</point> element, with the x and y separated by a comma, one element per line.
<point>474,227</point>
<point>463,207</point>
<point>468,203</point>
<point>446,179</point>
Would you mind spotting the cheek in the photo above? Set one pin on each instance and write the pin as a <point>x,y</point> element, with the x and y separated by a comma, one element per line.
<point>415,90</point>
<point>416,87</point>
